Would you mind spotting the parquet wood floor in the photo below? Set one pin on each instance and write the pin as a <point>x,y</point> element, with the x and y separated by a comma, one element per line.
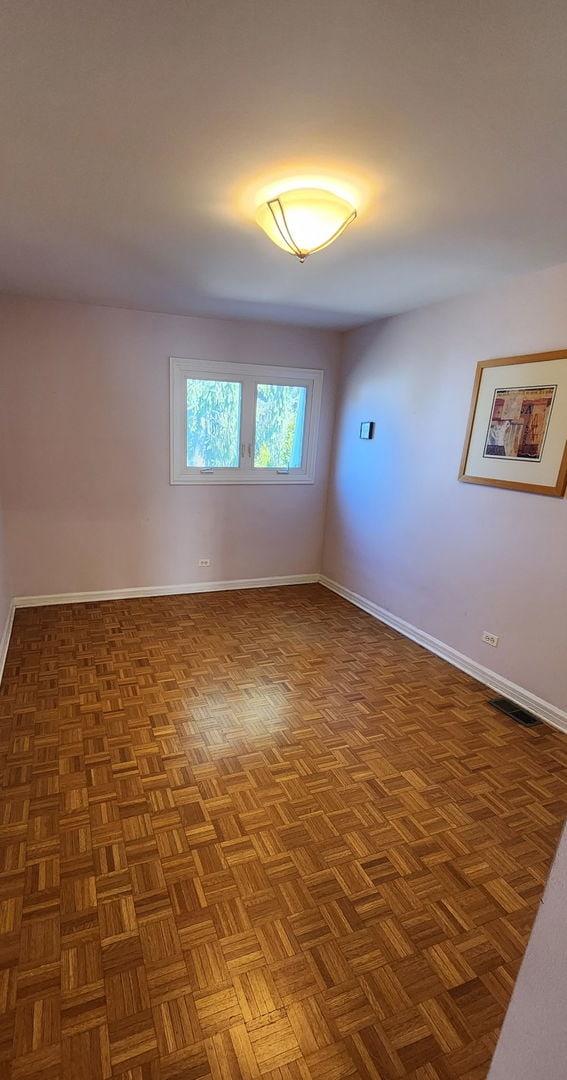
<point>258,834</point>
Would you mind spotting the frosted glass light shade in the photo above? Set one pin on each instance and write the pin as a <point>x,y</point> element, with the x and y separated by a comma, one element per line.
<point>305,220</point>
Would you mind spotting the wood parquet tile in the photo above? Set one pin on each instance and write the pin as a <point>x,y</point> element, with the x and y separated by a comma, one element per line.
<point>259,835</point>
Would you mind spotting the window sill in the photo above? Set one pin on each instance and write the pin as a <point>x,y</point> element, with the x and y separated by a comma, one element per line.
<point>209,481</point>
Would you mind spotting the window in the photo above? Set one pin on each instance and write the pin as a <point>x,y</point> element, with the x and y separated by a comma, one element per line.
<point>242,423</point>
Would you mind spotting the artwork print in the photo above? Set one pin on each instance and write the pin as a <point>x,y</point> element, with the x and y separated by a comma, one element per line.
<point>518,423</point>
<point>516,434</point>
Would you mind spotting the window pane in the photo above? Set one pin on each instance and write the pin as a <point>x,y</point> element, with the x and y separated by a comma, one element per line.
<point>213,423</point>
<point>280,420</point>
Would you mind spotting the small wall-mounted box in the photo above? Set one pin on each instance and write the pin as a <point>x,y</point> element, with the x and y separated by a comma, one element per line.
<point>367,429</point>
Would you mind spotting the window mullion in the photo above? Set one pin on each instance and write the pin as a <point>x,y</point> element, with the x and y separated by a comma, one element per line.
<point>247,425</point>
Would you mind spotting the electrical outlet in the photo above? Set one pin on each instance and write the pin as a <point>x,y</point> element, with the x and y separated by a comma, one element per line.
<point>204,562</point>
<point>490,639</point>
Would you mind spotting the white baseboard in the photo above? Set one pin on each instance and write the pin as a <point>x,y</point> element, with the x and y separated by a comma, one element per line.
<point>162,590</point>
<point>5,639</point>
<point>536,705</point>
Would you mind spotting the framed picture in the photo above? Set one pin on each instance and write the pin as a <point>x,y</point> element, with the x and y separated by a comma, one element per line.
<point>367,429</point>
<point>517,430</point>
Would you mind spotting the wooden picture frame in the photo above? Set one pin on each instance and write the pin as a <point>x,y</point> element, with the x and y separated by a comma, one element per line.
<point>517,428</point>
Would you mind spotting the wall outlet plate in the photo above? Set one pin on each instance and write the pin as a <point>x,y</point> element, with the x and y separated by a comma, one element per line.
<point>204,562</point>
<point>490,639</point>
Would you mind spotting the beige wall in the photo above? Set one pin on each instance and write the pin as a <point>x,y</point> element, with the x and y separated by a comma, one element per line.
<point>452,559</point>
<point>85,455</point>
<point>5,592</point>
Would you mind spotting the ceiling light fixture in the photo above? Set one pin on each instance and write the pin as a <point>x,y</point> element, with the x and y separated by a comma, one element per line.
<point>305,220</point>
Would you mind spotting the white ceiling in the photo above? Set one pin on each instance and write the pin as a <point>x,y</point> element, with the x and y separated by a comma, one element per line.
<point>135,135</point>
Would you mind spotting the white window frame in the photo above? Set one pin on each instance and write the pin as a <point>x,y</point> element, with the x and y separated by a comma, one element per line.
<point>249,375</point>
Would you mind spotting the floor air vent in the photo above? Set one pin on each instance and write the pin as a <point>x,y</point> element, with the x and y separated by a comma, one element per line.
<point>515,711</point>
